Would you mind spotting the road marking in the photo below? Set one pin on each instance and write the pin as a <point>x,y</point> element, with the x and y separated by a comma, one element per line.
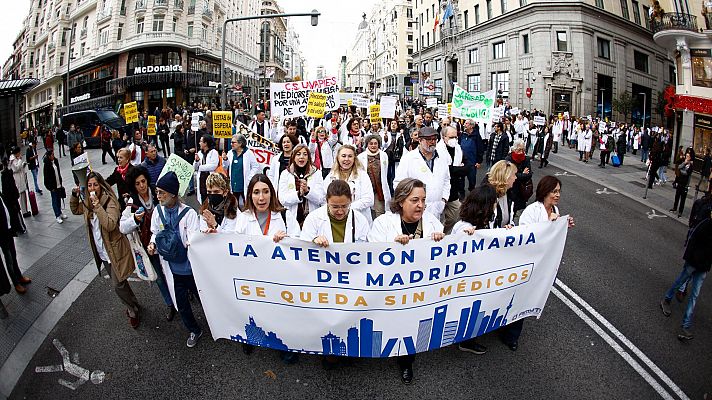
<point>652,214</point>
<point>565,173</point>
<point>641,371</point>
<point>604,191</point>
<point>82,374</point>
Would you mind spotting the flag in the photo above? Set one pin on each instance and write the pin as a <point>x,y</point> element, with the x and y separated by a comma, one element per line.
<point>437,22</point>
<point>448,12</point>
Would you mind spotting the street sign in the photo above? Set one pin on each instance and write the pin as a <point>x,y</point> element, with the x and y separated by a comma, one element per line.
<point>529,92</point>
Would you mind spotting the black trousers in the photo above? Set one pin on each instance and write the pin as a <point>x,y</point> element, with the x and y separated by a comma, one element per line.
<point>680,198</point>
<point>165,142</point>
<point>107,150</point>
<point>10,254</point>
<point>406,361</point>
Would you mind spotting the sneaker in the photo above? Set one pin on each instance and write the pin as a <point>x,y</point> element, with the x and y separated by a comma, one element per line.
<point>665,306</point>
<point>193,339</point>
<point>59,220</point>
<point>472,347</point>
<point>64,216</point>
<point>685,335</point>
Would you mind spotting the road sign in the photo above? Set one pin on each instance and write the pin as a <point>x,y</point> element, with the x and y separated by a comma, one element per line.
<point>529,92</point>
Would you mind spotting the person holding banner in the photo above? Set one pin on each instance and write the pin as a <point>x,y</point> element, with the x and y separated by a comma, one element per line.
<point>206,161</point>
<point>322,149</point>
<point>348,168</point>
<point>406,221</point>
<point>278,164</point>
<point>301,186</point>
<point>219,210</point>
<point>241,166</point>
<point>336,221</point>
<point>376,162</point>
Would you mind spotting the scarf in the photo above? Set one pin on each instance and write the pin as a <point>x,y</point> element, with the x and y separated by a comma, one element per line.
<point>374,172</point>
<point>368,151</point>
<point>123,170</point>
<point>317,153</point>
<point>303,206</point>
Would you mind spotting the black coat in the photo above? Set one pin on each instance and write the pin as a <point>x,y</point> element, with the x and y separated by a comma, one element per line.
<point>698,252</point>
<point>50,180</point>
<point>11,196</point>
<point>500,153</point>
<point>515,193</point>
<point>621,144</point>
<point>122,185</point>
<point>5,234</point>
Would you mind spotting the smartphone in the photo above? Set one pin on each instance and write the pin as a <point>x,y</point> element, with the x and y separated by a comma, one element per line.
<point>92,194</point>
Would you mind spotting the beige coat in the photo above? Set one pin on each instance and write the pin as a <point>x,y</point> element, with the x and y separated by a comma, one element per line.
<point>117,245</point>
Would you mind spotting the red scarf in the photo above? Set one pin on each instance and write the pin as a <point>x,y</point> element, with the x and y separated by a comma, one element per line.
<point>123,170</point>
<point>317,154</point>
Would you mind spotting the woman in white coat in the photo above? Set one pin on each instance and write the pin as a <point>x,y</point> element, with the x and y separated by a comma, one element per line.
<point>375,161</point>
<point>301,187</point>
<point>335,222</point>
<point>279,162</point>
<point>321,147</point>
<point>218,212</point>
<point>584,142</point>
<point>348,168</point>
<point>206,161</point>
<point>407,220</point>
<point>263,212</point>
<point>18,166</point>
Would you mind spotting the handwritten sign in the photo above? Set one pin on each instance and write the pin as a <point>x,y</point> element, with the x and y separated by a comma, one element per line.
<point>131,112</point>
<point>442,111</point>
<point>222,124</point>
<point>431,102</point>
<point>539,121</point>
<point>375,113</point>
<point>360,100</point>
<point>291,99</point>
<point>183,169</point>
<point>151,126</point>
<point>316,104</point>
<point>195,122</point>
<point>388,106</point>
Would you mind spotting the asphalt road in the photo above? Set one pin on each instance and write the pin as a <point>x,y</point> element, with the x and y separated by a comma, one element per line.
<point>616,259</point>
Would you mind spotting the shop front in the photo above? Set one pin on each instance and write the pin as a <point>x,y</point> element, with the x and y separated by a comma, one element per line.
<point>88,89</point>
<point>702,136</point>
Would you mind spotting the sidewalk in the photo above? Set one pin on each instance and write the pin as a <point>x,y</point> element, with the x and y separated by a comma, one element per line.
<point>626,180</point>
<point>52,255</point>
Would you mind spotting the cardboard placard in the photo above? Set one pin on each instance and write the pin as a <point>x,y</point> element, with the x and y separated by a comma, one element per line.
<point>151,126</point>
<point>131,112</point>
<point>222,124</point>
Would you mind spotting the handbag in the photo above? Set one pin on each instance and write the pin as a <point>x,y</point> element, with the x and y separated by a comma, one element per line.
<point>526,188</point>
<point>62,192</point>
<point>144,267</point>
<point>615,160</point>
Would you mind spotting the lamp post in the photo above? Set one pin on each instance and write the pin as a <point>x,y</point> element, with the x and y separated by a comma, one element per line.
<point>69,58</point>
<point>420,55</point>
<point>314,14</point>
<point>645,100</point>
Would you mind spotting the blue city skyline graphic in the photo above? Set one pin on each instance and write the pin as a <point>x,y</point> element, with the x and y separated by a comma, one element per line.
<point>363,341</point>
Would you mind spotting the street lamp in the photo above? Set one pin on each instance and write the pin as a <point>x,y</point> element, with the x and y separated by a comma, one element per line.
<point>645,100</point>
<point>420,54</point>
<point>314,14</point>
<point>529,86</point>
<point>69,58</point>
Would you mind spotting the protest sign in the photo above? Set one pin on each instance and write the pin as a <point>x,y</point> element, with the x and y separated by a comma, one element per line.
<point>374,113</point>
<point>431,102</point>
<point>291,99</point>
<point>183,169</point>
<point>514,111</point>
<point>316,104</point>
<point>349,102</point>
<point>388,106</point>
<point>151,126</point>
<point>373,299</point>
<point>131,112</point>
<point>195,122</point>
<point>360,100</point>
<point>476,106</point>
<point>222,124</point>
<point>442,110</point>
<point>81,159</point>
<point>539,121</point>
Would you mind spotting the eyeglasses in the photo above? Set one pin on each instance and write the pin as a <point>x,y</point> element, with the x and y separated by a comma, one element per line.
<point>334,207</point>
<point>556,191</point>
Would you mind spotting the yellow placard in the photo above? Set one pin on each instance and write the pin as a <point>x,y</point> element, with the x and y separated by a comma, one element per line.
<point>222,124</point>
<point>131,112</point>
<point>316,105</point>
<point>374,111</point>
<point>151,126</point>
<point>349,102</point>
<point>449,108</point>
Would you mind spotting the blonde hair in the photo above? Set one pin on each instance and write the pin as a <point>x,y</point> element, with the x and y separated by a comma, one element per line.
<point>499,174</point>
<point>338,172</point>
<point>217,181</point>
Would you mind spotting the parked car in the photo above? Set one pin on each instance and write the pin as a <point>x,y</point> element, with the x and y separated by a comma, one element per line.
<point>91,123</point>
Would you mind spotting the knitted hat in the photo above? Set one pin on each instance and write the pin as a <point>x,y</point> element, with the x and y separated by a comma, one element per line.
<point>169,183</point>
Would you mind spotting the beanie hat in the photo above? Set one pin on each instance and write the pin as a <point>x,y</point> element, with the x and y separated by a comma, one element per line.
<point>169,183</point>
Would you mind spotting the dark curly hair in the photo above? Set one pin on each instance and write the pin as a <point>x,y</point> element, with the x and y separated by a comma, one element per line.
<point>478,207</point>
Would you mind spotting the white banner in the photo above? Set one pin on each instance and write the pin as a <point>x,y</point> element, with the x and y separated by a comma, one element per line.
<point>476,106</point>
<point>374,299</point>
<point>290,99</point>
<point>388,106</point>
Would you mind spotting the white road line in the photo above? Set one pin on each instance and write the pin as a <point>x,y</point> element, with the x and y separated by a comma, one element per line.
<point>605,336</point>
<point>649,363</point>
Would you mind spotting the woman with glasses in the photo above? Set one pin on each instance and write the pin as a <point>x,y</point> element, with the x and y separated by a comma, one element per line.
<point>321,147</point>
<point>376,162</point>
<point>349,169</point>
<point>337,221</point>
<point>406,221</point>
<point>241,166</point>
<point>301,186</point>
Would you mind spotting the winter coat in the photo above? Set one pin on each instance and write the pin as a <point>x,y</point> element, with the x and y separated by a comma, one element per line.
<point>48,172</point>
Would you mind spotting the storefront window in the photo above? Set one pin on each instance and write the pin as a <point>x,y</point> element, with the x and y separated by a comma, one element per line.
<point>170,93</point>
<point>701,67</point>
<point>173,58</point>
<point>136,60</point>
<point>156,59</point>
<point>155,94</point>
<point>138,96</point>
<point>703,134</point>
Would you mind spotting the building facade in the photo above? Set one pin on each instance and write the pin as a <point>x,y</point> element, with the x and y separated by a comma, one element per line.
<point>156,52</point>
<point>684,29</point>
<point>569,63</point>
<point>293,58</point>
<point>273,39</point>
<point>11,68</point>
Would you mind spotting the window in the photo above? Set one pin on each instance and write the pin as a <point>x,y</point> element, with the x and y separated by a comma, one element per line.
<point>489,9</point>
<point>624,9</point>
<point>522,3</point>
<point>500,82</point>
<point>104,36</point>
<point>138,96</point>
<point>190,29</point>
<point>477,14</point>
<point>640,60</point>
<point>85,23</point>
<point>427,37</point>
<point>158,23</point>
<point>175,23</point>
<point>156,59</point>
<point>499,50</point>
<point>604,48</point>
<point>466,17</point>
<point>438,64</point>
<point>438,87</point>
<point>139,26</point>
<point>671,72</point>
<point>503,5</point>
<point>646,13</point>
<point>426,67</point>
<point>599,4</point>
<point>525,43</point>
<point>81,49</point>
<point>205,32</point>
<point>473,83</point>
<point>61,59</point>
<point>636,12</point>
<point>137,60</point>
<point>64,37</point>
<point>561,44</point>
<point>120,32</point>
<point>473,56</point>
<point>427,15</point>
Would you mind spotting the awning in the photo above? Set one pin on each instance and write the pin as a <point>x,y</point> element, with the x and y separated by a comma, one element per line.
<point>34,110</point>
<point>91,104</point>
<point>184,79</point>
<point>207,90</point>
<point>17,86</point>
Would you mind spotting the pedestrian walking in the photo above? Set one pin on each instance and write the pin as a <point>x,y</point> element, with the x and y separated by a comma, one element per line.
<point>18,166</point>
<point>164,131</point>
<point>106,142</point>
<point>704,184</point>
<point>682,183</point>
<point>53,182</point>
<point>7,245</point>
<point>33,164</point>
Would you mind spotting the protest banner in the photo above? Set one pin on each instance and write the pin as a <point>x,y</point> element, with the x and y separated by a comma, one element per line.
<point>476,106</point>
<point>374,113</point>
<point>388,107</point>
<point>183,169</point>
<point>222,124</point>
<point>497,113</point>
<point>442,110</point>
<point>316,104</point>
<point>291,99</point>
<point>262,148</point>
<point>539,121</point>
<point>151,126</point>
<point>360,100</point>
<point>345,99</point>
<point>131,112</point>
<point>373,299</point>
<point>81,159</point>
<point>195,122</point>
<point>514,111</point>
<point>431,102</point>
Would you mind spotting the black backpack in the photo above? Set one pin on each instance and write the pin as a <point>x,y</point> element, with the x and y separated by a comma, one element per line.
<point>168,240</point>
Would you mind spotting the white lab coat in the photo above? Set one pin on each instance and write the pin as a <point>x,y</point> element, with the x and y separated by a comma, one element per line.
<point>437,181</point>
<point>247,223</point>
<point>363,158</point>
<point>267,128</point>
<point>460,226</point>
<point>386,227</point>
<point>211,162</point>
<point>227,225</point>
<point>250,167</point>
<point>289,194</point>
<point>138,156</point>
<point>535,212</point>
<point>318,224</point>
<point>361,192</point>
<point>326,150</point>
<point>273,171</point>
<point>19,173</point>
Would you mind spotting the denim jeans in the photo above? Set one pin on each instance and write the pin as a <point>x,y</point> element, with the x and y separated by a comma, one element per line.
<point>35,172</point>
<point>56,203</point>
<point>661,174</point>
<point>696,278</point>
<point>161,281</point>
<point>183,284</point>
<point>644,155</point>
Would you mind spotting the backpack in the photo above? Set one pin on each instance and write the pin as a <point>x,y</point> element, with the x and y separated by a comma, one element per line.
<point>168,240</point>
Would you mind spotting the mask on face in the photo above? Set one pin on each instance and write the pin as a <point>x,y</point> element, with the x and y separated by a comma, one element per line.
<point>518,157</point>
<point>452,142</point>
<point>215,200</point>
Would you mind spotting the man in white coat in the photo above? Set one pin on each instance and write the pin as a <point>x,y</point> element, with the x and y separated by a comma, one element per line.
<point>426,164</point>
<point>260,125</point>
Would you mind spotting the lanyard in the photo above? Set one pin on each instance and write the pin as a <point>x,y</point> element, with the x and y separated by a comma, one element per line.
<point>269,219</point>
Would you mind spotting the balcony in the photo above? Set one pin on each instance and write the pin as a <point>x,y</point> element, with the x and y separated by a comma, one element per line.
<point>83,7</point>
<point>103,15</point>
<point>51,47</point>
<point>207,14</point>
<point>178,5</point>
<point>160,4</point>
<point>141,5</point>
<point>674,21</point>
